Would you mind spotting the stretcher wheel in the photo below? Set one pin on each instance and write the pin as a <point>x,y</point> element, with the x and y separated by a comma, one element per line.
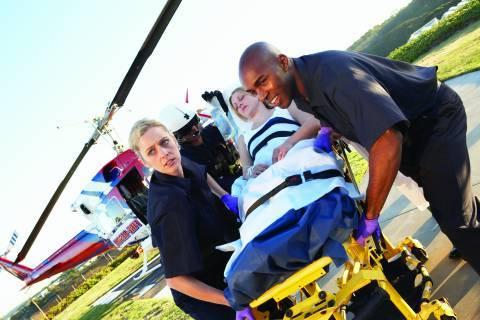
<point>420,254</point>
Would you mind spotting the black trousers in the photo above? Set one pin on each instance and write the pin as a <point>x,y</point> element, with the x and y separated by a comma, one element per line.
<point>210,311</point>
<point>202,310</point>
<point>435,155</point>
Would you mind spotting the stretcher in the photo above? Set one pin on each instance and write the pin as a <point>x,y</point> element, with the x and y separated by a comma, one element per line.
<point>379,281</point>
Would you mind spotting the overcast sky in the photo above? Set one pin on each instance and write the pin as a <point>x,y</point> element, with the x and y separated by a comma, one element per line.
<point>62,62</point>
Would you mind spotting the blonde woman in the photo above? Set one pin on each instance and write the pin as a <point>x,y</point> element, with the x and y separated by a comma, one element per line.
<point>186,223</point>
<point>272,134</point>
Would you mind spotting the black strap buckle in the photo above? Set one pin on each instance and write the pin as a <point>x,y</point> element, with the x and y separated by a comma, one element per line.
<point>308,175</point>
<point>294,180</point>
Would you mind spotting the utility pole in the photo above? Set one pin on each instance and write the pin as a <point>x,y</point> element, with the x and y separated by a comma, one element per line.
<point>107,255</point>
<point>40,309</point>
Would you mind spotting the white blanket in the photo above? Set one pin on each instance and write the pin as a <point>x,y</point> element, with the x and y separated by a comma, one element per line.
<point>299,159</point>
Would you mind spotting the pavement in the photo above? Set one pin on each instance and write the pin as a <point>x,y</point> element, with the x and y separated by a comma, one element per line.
<point>453,279</point>
<point>135,287</point>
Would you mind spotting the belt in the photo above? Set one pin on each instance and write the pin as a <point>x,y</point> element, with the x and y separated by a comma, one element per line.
<point>293,180</point>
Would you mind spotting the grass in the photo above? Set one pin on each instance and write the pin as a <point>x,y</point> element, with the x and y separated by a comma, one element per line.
<point>82,305</point>
<point>137,309</point>
<point>359,165</point>
<point>457,55</point>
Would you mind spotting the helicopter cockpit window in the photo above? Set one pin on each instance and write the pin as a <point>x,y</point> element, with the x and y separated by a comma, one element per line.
<point>135,193</point>
<point>110,214</point>
<point>115,210</point>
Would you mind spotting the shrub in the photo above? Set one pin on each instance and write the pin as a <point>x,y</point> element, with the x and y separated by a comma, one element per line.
<point>395,31</point>
<point>89,283</point>
<point>466,15</point>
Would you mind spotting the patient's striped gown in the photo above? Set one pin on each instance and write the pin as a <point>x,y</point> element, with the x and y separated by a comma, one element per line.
<point>296,226</point>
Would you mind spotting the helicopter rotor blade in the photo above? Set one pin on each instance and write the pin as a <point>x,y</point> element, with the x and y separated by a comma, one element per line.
<point>122,93</point>
<point>46,212</point>
<point>146,50</point>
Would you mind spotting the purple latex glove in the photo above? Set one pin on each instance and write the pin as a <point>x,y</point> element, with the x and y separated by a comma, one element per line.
<point>367,227</point>
<point>323,142</point>
<point>245,314</point>
<point>230,202</point>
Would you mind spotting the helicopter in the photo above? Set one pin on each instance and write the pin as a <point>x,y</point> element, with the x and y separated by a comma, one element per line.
<point>113,201</point>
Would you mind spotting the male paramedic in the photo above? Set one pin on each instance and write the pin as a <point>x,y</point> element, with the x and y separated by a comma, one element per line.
<point>399,112</point>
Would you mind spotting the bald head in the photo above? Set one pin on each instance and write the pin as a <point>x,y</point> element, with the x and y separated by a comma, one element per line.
<point>259,51</point>
<point>266,72</point>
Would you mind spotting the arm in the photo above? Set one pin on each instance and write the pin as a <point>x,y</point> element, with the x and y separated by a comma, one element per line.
<point>197,289</point>
<point>246,161</point>
<point>308,129</point>
<point>215,187</point>
<point>384,162</point>
<point>309,125</point>
<point>229,201</point>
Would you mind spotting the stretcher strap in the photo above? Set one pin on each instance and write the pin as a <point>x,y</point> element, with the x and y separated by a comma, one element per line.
<point>293,180</point>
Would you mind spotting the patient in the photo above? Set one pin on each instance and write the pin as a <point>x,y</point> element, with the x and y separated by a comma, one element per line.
<point>273,132</point>
<point>297,209</point>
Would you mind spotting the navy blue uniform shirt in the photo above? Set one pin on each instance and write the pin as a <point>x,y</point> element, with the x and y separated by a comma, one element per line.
<point>205,153</point>
<point>362,95</point>
<point>187,224</point>
<point>214,155</point>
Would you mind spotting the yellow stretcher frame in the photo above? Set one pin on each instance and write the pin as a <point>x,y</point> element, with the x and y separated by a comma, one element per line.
<point>310,302</point>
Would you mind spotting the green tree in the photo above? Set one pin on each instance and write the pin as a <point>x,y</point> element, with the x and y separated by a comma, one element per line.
<point>396,30</point>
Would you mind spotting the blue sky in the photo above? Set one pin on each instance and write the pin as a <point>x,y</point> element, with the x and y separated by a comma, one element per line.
<point>62,62</point>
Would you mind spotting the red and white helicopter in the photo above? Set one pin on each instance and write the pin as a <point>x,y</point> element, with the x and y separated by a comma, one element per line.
<point>114,200</point>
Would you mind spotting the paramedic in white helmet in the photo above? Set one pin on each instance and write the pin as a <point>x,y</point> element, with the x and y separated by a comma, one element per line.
<point>204,145</point>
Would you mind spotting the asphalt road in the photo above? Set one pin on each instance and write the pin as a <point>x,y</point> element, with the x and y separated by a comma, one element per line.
<point>132,288</point>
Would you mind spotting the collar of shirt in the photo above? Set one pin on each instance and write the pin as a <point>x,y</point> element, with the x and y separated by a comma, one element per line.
<point>300,101</point>
<point>306,78</point>
<point>191,172</point>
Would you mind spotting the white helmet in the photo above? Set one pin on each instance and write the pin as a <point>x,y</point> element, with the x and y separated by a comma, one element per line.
<point>176,117</point>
